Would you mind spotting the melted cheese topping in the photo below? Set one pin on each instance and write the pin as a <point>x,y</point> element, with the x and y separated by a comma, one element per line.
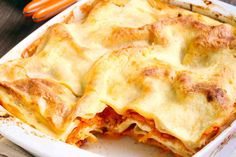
<point>167,64</point>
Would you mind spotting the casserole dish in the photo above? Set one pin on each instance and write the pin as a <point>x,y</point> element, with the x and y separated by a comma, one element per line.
<point>211,147</point>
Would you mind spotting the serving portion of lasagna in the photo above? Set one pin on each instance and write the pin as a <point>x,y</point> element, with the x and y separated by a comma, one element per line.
<point>160,74</point>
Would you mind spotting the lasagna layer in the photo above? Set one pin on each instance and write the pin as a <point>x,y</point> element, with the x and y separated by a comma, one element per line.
<point>182,103</point>
<point>110,124</point>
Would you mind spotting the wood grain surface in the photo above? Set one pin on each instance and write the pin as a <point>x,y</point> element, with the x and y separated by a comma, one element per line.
<point>13,28</point>
<point>230,1</point>
<point>13,25</point>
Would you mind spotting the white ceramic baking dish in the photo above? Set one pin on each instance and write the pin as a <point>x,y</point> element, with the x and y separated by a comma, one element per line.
<point>40,144</point>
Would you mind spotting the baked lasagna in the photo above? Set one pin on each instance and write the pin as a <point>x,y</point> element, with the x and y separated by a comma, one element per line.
<point>145,69</point>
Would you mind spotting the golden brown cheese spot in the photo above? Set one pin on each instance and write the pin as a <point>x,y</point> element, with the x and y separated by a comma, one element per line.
<point>161,71</point>
<point>126,50</point>
<point>185,21</point>
<point>30,91</point>
<point>160,5</point>
<point>30,50</point>
<point>55,33</point>
<point>9,73</point>
<point>152,72</point>
<point>5,116</point>
<point>149,33</point>
<point>39,87</point>
<point>56,30</point>
<point>87,7</point>
<point>216,37</point>
<point>155,33</point>
<point>211,90</point>
<point>124,35</point>
<point>212,130</point>
<point>120,3</point>
<point>207,2</point>
<point>59,30</point>
<point>47,90</point>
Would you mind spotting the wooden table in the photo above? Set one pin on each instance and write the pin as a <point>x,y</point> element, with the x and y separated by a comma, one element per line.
<point>13,28</point>
<point>13,25</point>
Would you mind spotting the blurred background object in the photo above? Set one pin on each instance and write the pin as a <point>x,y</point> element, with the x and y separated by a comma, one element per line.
<point>13,25</point>
<point>231,1</point>
<point>41,10</point>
